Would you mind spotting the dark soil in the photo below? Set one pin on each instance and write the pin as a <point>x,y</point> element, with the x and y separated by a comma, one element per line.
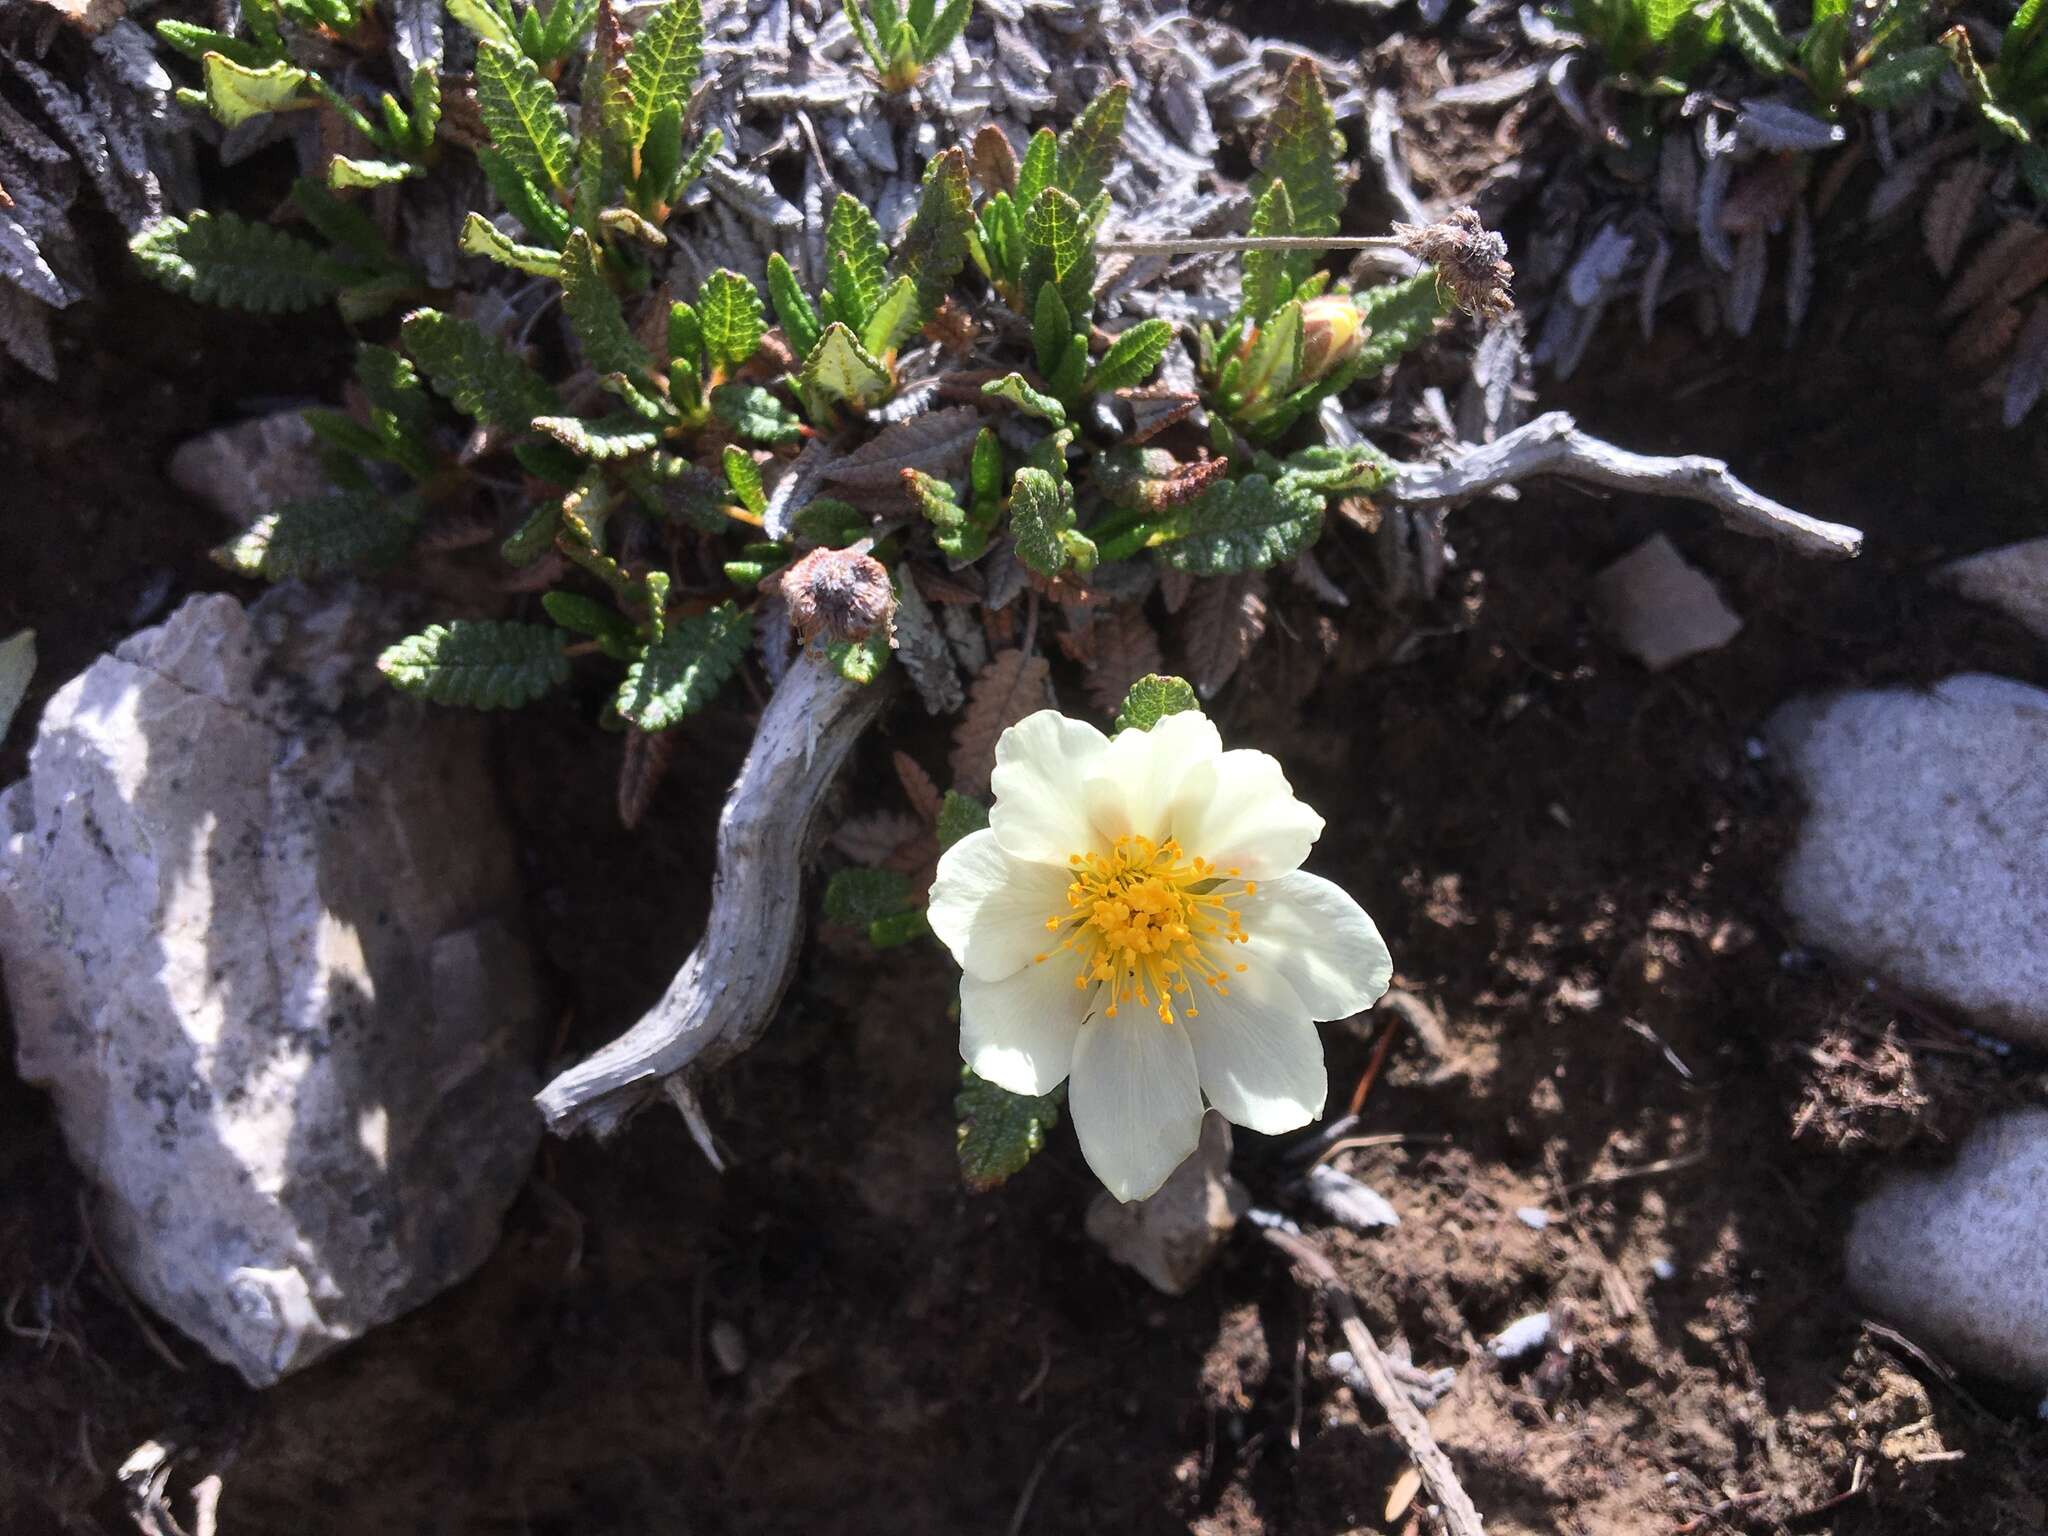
<point>1574,862</point>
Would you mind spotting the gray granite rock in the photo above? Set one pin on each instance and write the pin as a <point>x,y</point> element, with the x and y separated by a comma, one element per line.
<point>1924,853</point>
<point>1959,1258</point>
<point>2013,579</point>
<point>258,925</point>
<point>1660,609</point>
<point>1170,1236</point>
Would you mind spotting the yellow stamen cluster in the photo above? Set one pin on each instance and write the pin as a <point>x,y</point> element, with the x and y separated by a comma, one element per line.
<point>1145,918</point>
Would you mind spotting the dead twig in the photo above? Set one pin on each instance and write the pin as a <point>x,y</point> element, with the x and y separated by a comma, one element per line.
<point>1388,1029</point>
<point>1857,1484</point>
<point>1648,1170</point>
<point>1023,1510</point>
<point>149,1335</point>
<point>1460,1518</point>
<point>727,990</point>
<point>1552,444</point>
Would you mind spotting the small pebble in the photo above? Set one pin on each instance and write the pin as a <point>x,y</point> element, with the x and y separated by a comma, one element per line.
<point>1532,1216</point>
<point>728,1348</point>
<point>1663,1269</point>
<point>1520,1337</point>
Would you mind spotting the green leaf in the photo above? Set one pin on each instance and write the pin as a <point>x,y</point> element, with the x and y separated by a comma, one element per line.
<point>1042,521</point>
<point>1133,356</point>
<point>1266,285</point>
<point>1274,361</point>
<point>586,616</point>
<point>1299,150</point>
<point>661,67</point>
<point>17,666</point>
<point>481,374</point>
<point>480,237</point>
<point>526,122</point>
<point>1039,169</point>
<point>999,1131</point>
<point>895,317</point>
<point>1661,17</point>
<point>902,928</point>
<point>860,661</point>
<point>932,248</point>
<point>594,312</point>
<point>829,521</point>
<point>615,437</point>
<point>799,319</point>
<point>1012,388</point>
<point>541,216</point>
<point>237,92</point>
<point>567,21</point>
<point>323,534</point>
<point>756,414</point>
<point>959,816</point>
<point>680,675</point>
<point>197,42</point>
<point>1820,55</point>
<point>345,173</point>
<point>399,407</point>
<point>484,20</point>
<point>1151,699</point>
<point>1754,28</point>
<point>1052,328</point>
<point>1897,80</point>
<point>839,368</point>
<point>1333,469</point>
<point>744,476</point>
<point>1057,249</point>
<point>478,663</point>
<point>858,260</point>
<point>1245,525</point>
<point>729,308</point>
<point>857,897</point>
<point>864,35</point>
<point>947,25</point>
<point>985,469</point>
<point>219,258</point>
<point>1088,149</point>
<point>1401,316</point>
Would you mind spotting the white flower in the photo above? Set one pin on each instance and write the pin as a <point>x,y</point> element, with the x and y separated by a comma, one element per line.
<point>1135,917</point>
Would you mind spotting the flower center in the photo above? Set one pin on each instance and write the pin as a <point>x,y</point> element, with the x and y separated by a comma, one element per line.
<point>1150,922</point>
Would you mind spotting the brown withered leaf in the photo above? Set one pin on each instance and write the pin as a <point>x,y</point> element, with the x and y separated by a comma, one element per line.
<point>1155,407</point>
<point>940,588</point>
<point>1176,587</point>
<point>2028,374</point>
<point>2013,262</point>
<point>641,771</point>
<point>952,327</point>
<point>1982,339</point>
<point>937,443</point>
<point>1000,625</point>
<point>1123,649</point>
<point>876,838</point>
<point>918,788</point>
<point>1951,206</point>
<point>1010,687</point>
<point>993,162</point>
<point>1763,199</point>
<point>1224,618</point>
<point>446,531</point>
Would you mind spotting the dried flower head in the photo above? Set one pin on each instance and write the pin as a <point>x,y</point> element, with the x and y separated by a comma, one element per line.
<point>1470,259</point>
<point>1135,921</point>
<point>841,594</point>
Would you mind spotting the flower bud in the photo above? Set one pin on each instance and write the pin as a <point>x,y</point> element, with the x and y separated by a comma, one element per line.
<point>1332,333</point>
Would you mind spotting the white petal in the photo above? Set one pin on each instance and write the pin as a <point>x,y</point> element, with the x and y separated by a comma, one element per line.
<point>1261,1059</point>
<point>1321,940</point>
<point>989,907</point>
<point>1251,821</point>
<point>1042,764</point>
<point>1136,783</point>
<point>1019,1032</point>
<point>1135,1102</point>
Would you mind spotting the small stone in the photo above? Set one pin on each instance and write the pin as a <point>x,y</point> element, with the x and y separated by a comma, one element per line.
<point>1661,609</point>
<point>1921,854</point>
<point>1170,1236</point>
<point>1344,1199</point>
<point>244,470</point>
<point>2013,579</point>
<point>1959,1257</point>
<point>256,921</point>
<point>728,1348</point>
<point>1521,1337</point>
<point>1533,1217</point>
